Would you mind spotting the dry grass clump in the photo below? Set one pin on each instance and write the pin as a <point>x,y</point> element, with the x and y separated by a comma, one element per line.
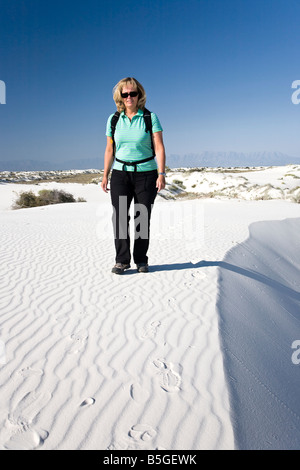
<point>179,183</point>
<point>294,194</point>
<point>292,175</point>
<point>45,197</point>
<point>83,178</point>
<point>58,177</point>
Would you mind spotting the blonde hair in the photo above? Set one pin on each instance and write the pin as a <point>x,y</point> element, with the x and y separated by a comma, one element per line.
<point>118,89</point>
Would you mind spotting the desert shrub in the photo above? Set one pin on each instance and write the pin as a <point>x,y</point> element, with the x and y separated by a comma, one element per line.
<point>294,194</point>
<point>174,189</point>
<point>179,183</point>
<point>62,196</point>
<point>53,196</point>
<point>95,180</point>
<point>26,199</point>
<point>296,198</point>
<point>187,195</point>
<point>45,197</point>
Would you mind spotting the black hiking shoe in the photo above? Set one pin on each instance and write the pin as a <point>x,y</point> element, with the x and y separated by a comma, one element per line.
<point>119,268</point>
<point>142,268</point>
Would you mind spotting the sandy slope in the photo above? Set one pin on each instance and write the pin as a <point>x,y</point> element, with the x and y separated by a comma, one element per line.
<point>97,361</point>
<point>259,321</point>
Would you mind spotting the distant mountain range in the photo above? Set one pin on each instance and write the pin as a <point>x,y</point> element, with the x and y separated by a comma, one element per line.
<point>204,159</point>
<point>231,159</point>
<point>36,165</point>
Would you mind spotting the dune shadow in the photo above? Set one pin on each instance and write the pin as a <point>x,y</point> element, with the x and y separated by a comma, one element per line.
<point>174,266</point>
<point>259,313</point>
<point>259,318</point>
<point>257,276</point>
<point>268,281</point>
<point>166,267</point>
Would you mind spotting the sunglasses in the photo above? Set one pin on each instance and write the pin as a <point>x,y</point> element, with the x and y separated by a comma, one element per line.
<point>133,94</point>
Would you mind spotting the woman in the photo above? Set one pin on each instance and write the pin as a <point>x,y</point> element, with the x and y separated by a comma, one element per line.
<point>135,175</point>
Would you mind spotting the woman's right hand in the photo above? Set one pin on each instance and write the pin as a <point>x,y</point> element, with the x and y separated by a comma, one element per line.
<point>108,161</point>
<point>104,184</point>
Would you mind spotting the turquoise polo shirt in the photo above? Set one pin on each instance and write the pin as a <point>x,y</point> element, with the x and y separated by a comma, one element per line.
<point>132,141</point>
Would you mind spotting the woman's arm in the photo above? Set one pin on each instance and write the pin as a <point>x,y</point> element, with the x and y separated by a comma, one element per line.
<point>161,158</point>
<point>108,161</point>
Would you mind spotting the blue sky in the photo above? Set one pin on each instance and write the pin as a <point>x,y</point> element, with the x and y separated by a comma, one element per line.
<point>217,72</point>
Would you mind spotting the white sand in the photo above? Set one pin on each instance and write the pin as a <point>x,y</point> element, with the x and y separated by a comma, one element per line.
<point>196,354</point>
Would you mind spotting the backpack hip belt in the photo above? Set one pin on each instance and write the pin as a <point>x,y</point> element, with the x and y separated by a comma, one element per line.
<point>134,164</point>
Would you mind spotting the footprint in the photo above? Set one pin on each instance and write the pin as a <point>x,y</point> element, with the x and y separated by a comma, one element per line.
<point>29,439</point>
<point>199,275</point>
<point>172,302</point>
<point>28,408</point>
<point>150,331</point>
<point>139,394</point>
<point>142,432</point>
<point>188,284</point>
<point>78,342</point>
<point>124,299</point>
<point>88,402</point>
<point>23,436</point>
<point>169,379</point>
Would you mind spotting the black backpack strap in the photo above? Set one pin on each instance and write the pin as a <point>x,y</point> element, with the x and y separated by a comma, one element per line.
<point>148,124</point>
<point>113,124</point>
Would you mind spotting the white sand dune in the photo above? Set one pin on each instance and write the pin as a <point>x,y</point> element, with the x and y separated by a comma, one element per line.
<point>259,321</point>
<point>196,354</point>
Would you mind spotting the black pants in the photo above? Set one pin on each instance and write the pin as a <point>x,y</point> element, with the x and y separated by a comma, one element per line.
<point>126,186</point>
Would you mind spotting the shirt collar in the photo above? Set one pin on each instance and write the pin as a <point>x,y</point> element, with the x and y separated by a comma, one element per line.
<point>139,113</point>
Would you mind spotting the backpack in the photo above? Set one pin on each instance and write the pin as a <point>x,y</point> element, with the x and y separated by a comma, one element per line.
<point>148,124</point>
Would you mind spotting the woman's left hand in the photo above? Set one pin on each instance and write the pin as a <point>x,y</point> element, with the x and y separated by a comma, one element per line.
<point>160,182</point>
